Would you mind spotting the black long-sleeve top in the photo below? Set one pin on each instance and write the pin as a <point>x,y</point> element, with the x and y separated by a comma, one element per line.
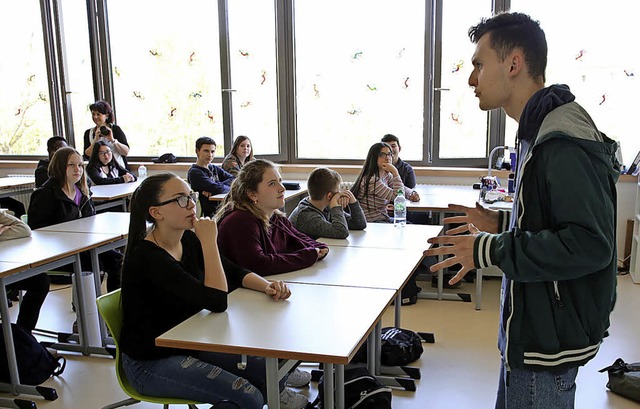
<point>159,292</point>
<point>49,205</point>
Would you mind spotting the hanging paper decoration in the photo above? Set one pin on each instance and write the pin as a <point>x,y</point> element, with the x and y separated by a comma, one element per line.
<point>19,111</point>
<point>155,53</point>
<point>356,56</point>
<point>192,57</point>
<point>117,71</point>
<point>42,97</point>
<point>401,52</point>
<point>456,118</point>
<point>372,87</point>
<point>172,112</point>
<point>245,104</point>
<point>263,77</point>
<point>316,91</point>
<point>210,116</point>
<point>457,66</point>
<point>628,73</point>
<point>244,53</point>
<point>406,83</point>
<point>353,111</point>
<point>580,54</point>
<point>31,78</point>
<point>195,95</point>
<point>604,98</point>
<point>138,95</point>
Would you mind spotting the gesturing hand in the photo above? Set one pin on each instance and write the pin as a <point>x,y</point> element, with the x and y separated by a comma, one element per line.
<point>482,218</point>
<point>459,247</point>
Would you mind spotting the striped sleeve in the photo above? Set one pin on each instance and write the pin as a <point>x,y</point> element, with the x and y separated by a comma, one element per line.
<point>504,217</point>
<point>482,250</point>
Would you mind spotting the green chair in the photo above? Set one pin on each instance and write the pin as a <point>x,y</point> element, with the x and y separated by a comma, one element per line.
<point>111,310</point>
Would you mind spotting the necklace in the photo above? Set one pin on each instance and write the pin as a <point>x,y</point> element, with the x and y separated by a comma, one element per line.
<point>153,236</point>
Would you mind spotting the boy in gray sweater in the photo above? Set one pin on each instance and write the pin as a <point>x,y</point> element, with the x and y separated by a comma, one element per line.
<point>327,211</point>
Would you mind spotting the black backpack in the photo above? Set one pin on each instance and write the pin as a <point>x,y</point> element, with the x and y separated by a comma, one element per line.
<point>361,391</point>
<point>399,347</point>
<point>624,379</point>
<point>35,363</point>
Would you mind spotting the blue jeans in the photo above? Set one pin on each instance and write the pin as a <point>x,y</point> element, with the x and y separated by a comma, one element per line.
<point>536,390</point>
<point>198,379</point>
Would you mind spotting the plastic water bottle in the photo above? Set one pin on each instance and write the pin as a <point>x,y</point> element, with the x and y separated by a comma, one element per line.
<point>142,172</point>
<point>400,209</point>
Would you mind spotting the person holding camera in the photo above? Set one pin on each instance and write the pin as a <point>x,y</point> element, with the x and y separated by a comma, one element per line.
<point>105,130</point>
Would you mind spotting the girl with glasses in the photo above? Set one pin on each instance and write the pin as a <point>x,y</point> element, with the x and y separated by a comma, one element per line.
<point>103,169</point>
<point>106,130</point>
<point>378,183</point>
<point>172,270</point>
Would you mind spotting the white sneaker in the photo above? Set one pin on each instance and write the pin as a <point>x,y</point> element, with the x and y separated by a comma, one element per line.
<point>291,400</point>
<point>298,378</point>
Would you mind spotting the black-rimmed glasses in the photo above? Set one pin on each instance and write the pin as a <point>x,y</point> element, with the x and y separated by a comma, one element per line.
<point>385,154</point>
<point>183,201</point>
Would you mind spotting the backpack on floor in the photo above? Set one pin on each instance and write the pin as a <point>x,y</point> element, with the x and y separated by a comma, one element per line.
<point>361,391</point>
<point>35,363</point>
<point>399,347</point>
<point>624,379</point>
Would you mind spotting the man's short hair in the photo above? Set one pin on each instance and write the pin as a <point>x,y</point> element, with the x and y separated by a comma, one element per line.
<point>390,138</point>
<point>204,140</point>
<point>322,181</point>
<point>51,142</point>
<point>515,30</point>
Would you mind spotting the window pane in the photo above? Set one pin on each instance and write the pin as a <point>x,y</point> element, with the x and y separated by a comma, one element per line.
<point>360,75</point>
<point>463,126</point>
<point>76,37</point>
<point>596,60</point>
<point>25,113</point>
<point>166,73</point>
<point>252,49</point>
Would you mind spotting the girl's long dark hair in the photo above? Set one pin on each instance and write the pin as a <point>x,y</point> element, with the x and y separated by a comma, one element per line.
<point>94,158</point>
<point>145,196</point>
<point>369,170</point>
<point>236,145</point>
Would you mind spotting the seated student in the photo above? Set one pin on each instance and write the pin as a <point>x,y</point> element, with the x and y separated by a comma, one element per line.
<point>102,168</point>
<point>37,287</point>
<point>324,212</point>
<point>102,115</point>
<point>378,184</point>
<point>254,233</point>
<point>53,144</point>
<point>405,170</point>
<point>171,271</point>
<point>206,178</point>
<point>241,153</point>
<point>65,197</point>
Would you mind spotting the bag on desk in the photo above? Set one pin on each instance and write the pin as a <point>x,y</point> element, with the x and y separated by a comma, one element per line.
<point>361,390</point>
<point>35,363</point>
<point>624,379</point>
<point>399,347</point>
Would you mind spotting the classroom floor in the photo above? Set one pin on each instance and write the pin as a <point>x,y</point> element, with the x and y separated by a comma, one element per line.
<point>458,371</point>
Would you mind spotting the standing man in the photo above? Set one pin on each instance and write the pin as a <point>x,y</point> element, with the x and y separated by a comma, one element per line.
<point>206,178</point>
<point>558,251</point>
<point>405,170</point>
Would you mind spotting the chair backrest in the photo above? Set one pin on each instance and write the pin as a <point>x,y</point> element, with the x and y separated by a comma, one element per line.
<point>110,308</point>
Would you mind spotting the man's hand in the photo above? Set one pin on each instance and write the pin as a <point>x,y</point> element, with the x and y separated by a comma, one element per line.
<point>483,219</point>
<point>459,247</point>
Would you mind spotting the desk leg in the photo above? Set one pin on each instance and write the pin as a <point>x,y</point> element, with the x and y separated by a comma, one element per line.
<point>339,386</point>
<point>372,353</point>
<point>95,266</point>
<point>478,289</point>
<point>328,385</point>
<point>80,303</point>
<point>273,387</point>
<point>398,304</point>
<point>124,204</point>
<point>378,343</point>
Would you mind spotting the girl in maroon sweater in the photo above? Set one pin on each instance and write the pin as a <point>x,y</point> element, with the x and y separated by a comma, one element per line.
<point>254,233</point>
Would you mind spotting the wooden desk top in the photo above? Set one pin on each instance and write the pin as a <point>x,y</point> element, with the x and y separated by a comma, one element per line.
<point>304,327</point>
<point>111,192</point>
<point>45,246</point>
<point>108,222</point>
<point>438,197</point>
<point>288,194</point>
<point>358,267</point>
<point>387,236</point>
<point>9,182</point>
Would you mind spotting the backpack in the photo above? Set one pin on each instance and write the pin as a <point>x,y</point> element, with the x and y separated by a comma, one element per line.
<point>35,363</point>
<point>624,379</point>
<point>399,347</point>
<point>361,391</point>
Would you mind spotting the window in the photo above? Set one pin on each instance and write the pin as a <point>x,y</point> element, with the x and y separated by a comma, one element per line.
<point>166,74</point>
<point>590,50</point>
<point>359,75</point>
<point>25,113</point>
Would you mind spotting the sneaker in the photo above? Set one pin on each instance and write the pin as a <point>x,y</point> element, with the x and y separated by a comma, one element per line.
<point>291,400</point>
<point>298,378</point>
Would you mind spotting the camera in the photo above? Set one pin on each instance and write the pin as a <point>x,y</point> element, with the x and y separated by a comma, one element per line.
<point>104,130</point>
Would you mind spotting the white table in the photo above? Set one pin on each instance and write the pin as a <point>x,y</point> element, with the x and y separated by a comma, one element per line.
<point>304,327</point>
<point>16,185</point>
<point>113,195</point>
<point>108,222</point>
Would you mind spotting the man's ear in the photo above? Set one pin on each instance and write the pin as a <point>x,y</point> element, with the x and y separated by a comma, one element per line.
<point>517,63</point>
